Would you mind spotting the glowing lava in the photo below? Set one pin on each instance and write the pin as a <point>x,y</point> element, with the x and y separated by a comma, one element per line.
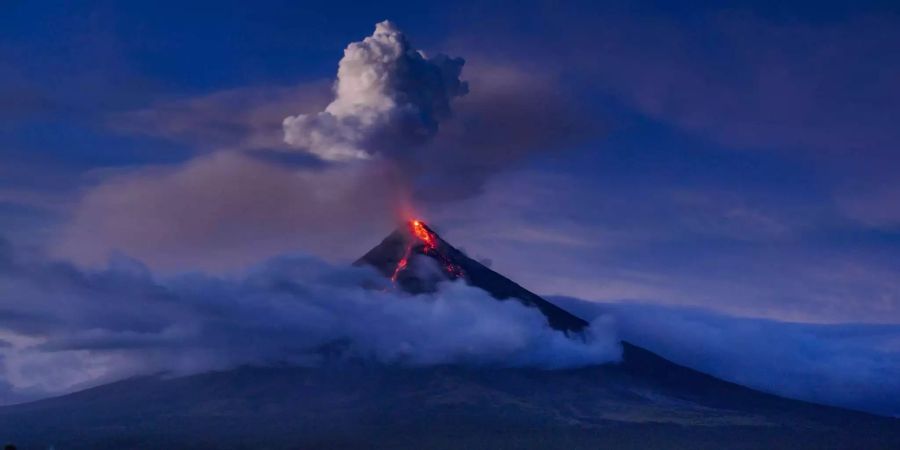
<point>402,263</point>
<point>422,233</point>
<point>429,247</point>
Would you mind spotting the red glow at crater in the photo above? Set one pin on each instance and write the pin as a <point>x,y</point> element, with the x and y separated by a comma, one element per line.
<point>430,247</point>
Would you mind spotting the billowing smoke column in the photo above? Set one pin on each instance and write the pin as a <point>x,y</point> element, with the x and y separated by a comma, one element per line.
<point>389,99</point>
<point>392,146</point>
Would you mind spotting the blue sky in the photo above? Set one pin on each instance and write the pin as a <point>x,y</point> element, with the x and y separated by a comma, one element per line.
<point>741,159</point>
<point>721,177</point>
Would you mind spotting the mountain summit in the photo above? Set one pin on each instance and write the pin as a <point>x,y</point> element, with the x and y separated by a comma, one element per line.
<point>642,402</point>
<point>417,259</point>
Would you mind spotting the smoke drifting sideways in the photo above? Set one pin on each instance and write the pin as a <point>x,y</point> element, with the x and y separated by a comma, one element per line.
<point>389,98</point>
<point>399,134</point>
<point>852,365</point>
<point>67,328</point>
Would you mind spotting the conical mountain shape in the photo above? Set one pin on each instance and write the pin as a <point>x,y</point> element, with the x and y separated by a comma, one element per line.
<point>417,259</point>
<point>642,402</point>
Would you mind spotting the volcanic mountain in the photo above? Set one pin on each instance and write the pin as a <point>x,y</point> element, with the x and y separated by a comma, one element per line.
<point>417,259</point>
<point>642,402</point>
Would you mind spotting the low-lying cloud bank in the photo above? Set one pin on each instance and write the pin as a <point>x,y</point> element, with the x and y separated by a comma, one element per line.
<point>65,328</point>
<point>850,365</point>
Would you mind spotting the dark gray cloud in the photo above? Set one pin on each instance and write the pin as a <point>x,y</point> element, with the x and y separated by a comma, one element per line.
<point>66,328</point>
<point>510,115</point>
<point>853,365</point>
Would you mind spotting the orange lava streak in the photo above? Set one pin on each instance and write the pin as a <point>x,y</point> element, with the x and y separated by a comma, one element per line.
<point>430,245</point>
<point>422,233</point>
<point>402,263</point>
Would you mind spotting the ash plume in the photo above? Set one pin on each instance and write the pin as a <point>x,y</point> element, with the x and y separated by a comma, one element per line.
<point>400,132</point>
<point>389,98</point>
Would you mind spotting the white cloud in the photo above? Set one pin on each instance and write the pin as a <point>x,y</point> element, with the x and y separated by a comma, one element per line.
<point>69,328</point>
<point>389,97</point>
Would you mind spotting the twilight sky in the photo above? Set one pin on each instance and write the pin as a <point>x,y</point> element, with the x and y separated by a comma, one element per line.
<point>718,185</point>
<point>741,160</point>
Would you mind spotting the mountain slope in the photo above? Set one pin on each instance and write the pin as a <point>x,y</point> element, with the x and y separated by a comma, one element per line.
<point>643,402</point>
<point>404,256</point>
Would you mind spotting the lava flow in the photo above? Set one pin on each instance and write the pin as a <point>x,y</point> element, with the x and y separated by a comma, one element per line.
<point>429,247</point>
<point>422,233</point>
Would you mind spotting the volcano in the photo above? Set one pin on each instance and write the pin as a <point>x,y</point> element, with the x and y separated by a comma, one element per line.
<point>417,260</point>
<point>642,402</point>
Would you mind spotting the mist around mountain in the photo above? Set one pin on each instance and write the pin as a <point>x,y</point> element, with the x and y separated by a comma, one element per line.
<point>849,365</point>
<point>417,259</point>
<point>574,395</point>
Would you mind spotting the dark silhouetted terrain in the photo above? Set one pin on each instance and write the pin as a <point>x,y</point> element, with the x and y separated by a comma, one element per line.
<point>643,402</point>
<point>404,243</point>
